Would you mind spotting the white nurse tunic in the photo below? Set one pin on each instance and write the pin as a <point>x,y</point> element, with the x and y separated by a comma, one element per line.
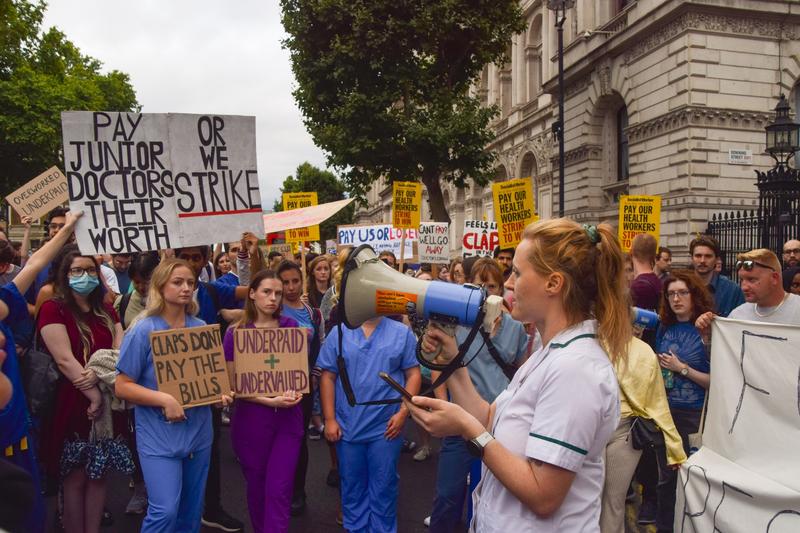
<point>561,408</point>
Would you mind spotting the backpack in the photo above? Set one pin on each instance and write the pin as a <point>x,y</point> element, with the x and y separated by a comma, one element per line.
<point>123,306</point>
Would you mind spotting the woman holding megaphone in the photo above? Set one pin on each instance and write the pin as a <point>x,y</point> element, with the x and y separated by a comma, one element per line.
<point>542,440</point>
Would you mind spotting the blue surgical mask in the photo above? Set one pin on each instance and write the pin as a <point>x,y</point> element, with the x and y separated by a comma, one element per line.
<point>83,284</point>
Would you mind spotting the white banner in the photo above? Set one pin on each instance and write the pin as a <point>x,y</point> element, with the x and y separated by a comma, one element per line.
<point>155,181</point>
<point>380,236</point>
<point>480,238</point>
<point>434,242</point>
<point>746,476</point>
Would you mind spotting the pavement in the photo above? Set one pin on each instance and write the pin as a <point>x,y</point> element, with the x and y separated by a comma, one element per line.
<point>417,488</point>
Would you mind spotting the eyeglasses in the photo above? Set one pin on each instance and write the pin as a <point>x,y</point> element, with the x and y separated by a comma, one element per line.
<point>683,293</point>
<point>195,258</point>
<point>78,271</point>
<point>748,265</point>
<point>793,251</point>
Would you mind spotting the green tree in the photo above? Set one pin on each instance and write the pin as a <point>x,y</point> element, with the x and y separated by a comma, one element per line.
<point>384,86</point>
<point>41,75</point>
<point>309,178</point>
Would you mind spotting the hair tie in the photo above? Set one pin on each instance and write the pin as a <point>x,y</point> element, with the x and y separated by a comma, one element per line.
<point>592,233</point>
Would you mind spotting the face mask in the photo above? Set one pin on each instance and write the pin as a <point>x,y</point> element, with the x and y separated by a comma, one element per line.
<point>83,284</point>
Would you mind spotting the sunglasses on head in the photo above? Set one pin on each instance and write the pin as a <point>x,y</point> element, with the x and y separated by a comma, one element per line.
<point>749,264</point>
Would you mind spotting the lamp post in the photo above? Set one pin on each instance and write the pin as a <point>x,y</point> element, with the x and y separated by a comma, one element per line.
<point>560,7</point>
<point>779,187</point>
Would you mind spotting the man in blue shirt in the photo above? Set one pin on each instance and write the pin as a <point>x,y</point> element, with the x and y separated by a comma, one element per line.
<point>121,263</point>
<point>726,294</point>
<point>213,298</point>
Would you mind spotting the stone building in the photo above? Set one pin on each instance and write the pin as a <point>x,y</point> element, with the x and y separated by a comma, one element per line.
<point>663,97</point>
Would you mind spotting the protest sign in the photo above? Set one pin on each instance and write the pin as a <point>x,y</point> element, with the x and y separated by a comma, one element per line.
<point>380,236</point>
<point>304,217</point>
<point>480,238</point>
<point>285,249</point>
<point>298,200</point>
<point>190,365</point>
<point>406,203</point>
<point>434,242</point>
<point>746,476</point>
<point>270,361</point>
<point>155,181</point>
<point>638,214</point>
<point>513,205</point>
<point>40,195</point>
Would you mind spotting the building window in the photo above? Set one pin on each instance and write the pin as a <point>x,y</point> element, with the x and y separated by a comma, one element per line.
<point>623,168</point>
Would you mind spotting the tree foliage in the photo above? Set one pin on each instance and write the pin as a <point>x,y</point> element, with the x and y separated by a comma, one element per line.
<point>41,75</point>
<point>309,178</point>
<point>384,86</point>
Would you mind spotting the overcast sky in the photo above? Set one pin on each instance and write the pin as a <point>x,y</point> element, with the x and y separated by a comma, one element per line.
<point>201,56</point>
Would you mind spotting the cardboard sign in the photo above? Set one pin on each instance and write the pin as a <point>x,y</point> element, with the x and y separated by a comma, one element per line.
<point>434,242</point>
<point>270,361</point>
<point>406,203</point>
<point>380,236</point>
<point>746,476</point>
<point>190,365</point>
<point>304,217</point>
<point>40,195</point>
<point>638,214</point>
<point>480,238</point>
<point>156,181</point>
<point>298,200</point>
<point>514,209</point>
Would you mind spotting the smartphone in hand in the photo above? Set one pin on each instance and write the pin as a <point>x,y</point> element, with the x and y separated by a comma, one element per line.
<point>395,385</point>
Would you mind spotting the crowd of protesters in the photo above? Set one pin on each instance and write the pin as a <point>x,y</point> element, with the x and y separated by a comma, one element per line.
<point>613,404</point>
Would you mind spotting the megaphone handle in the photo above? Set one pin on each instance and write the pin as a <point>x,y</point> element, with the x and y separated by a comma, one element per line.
<point>448,329</point>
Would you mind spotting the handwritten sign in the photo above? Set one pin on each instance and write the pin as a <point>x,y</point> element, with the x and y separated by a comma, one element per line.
<point>380,236</point>
<point>298,200</point>
<point>156,181</point>
<point>406,202</point>
<point>189,364</point>
<point>513,203</point>
<point>638,214</point>
<point>270,361</point>
<point>434,242</point>
<point>746,476</point>
<point>40,195</point>
<point>480,238</point>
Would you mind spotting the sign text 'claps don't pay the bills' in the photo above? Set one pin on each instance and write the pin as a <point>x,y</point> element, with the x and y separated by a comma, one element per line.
<point>270,361</point>
<point>156,181</point>
<point>190,365</point>
<point>514,209</point>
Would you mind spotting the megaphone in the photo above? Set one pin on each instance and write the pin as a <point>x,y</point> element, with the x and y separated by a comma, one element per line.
<point>371,288</point>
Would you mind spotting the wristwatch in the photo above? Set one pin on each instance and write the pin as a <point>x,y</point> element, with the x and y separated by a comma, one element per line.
<point>478,444</point>
<point>685,371</point>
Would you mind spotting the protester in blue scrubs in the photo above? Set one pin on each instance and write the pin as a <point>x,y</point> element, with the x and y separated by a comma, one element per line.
<point>367,437</point>
<point>174,443</point>
<point>15,424</point>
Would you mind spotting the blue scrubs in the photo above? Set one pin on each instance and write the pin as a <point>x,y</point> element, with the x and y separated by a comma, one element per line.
<point>174,456</point>
<point>367,461</point>
<point>16,445</point>
<point>226,299</point>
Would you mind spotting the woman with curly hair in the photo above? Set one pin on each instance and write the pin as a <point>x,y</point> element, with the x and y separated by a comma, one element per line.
<point>684,361</point>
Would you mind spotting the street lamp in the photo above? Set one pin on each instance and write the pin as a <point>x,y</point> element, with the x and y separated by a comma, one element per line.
<point>783,134</point>
<point>779,187</point>
<point>560,7</point>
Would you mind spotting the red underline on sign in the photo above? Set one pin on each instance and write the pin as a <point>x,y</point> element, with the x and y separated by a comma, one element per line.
<point>216,213</point>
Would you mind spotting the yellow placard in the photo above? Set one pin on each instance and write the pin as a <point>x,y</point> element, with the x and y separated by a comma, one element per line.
<point>297,200</point>
<point>513,209</point>
<point>406,203</point>
<point>638,214</point>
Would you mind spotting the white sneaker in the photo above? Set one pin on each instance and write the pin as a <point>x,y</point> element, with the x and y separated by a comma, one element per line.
<point>422,454</point>
<point>427,521</point>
